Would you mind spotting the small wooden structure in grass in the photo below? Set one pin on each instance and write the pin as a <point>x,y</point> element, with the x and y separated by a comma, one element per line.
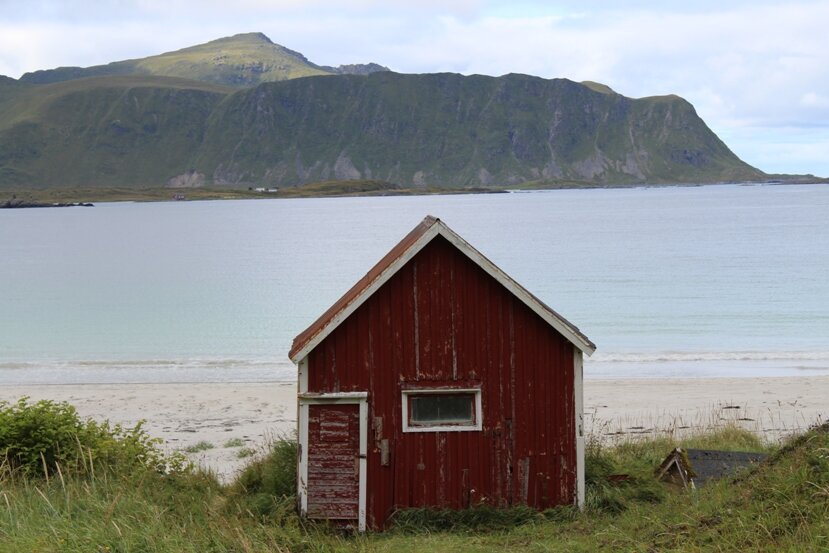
<point>692,468</point>
<point>438,381</point>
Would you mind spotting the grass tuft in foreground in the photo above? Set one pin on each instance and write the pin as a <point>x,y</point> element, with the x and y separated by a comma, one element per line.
<point>198,447</point>
<point>268,484</point>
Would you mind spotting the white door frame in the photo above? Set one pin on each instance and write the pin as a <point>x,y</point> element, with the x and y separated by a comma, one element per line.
<point>307,399</point>
<point>578,392</point>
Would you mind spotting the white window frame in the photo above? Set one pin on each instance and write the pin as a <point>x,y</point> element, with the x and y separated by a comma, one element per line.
<point>477,426</point>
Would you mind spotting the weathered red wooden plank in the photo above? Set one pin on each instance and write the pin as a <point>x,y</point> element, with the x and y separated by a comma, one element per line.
<point>333,450</point>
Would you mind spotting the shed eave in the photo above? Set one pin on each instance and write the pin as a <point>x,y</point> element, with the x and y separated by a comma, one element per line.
<point>430,228</point>
<point>301,350</point>
<point>562,325</point>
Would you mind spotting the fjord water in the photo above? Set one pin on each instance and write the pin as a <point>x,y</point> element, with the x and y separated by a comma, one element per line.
<point>669,282</point>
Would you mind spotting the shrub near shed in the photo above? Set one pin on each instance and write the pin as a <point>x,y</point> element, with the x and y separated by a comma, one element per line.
<point>43,438</point>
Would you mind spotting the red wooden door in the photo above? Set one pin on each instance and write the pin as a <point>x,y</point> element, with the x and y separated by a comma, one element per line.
<point>333,461</point>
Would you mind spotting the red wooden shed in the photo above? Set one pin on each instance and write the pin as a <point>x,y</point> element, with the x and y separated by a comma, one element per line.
<point>438,381</point>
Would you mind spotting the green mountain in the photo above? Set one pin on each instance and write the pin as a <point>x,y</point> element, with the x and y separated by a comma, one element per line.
<point>241,60</point>
<point>448,129</point>
<point>243,111</point>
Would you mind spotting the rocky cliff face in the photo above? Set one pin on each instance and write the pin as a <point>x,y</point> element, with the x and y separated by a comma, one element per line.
<point>415,130</point>
<point>452,130</point>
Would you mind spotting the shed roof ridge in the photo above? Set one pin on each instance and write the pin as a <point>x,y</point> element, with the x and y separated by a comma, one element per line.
<point>395,259</point>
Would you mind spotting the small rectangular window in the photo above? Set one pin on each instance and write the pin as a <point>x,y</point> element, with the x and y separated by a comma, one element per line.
<point>444,409</point>
<point>429,409</point>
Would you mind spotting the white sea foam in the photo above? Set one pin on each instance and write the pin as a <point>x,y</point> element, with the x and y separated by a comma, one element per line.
<point>707,364</point>
<point>700,356</point>
<point>601,365</point>
<point>100,371</point>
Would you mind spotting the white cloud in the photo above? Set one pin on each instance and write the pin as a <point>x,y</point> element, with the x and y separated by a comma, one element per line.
<point>781,149</point>
<point>28,46</point>
<point>813,99</point>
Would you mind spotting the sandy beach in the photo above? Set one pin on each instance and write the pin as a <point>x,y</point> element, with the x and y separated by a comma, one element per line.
<point>252,413</point>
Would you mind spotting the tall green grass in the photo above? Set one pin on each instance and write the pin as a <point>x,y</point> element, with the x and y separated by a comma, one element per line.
<point>73,485</point>
<point>266,488</point>
<point>780,505</point>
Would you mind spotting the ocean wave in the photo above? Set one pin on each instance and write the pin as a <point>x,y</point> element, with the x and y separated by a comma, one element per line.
<point>222,364</point>
<point>149,364</point>
<point>664,364</point>
<point>702,356</point>
<point>123,371</point>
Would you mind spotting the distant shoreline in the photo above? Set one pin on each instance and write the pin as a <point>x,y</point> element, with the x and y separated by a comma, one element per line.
<point>14,203</point>
<point>71,197</point>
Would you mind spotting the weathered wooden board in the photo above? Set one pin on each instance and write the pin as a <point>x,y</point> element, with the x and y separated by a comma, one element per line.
<point>333,461</point>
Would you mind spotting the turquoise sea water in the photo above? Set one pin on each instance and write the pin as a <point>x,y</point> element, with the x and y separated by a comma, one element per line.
<point>693,281</point>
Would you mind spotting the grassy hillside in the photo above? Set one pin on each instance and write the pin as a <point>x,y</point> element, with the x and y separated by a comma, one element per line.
<point>241,60</point>
<point>123,130</point>
<point>100,502</point>
<point>417,131</point>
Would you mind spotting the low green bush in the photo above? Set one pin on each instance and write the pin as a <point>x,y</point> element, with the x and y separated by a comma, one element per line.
<point>42,439</point>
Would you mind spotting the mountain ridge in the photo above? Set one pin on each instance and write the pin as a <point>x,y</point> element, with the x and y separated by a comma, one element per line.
<point>419,131</point>
<point>241,60</point>
<point>243,111</point>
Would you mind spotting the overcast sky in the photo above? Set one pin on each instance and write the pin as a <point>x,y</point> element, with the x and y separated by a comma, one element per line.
<point>756,71</point>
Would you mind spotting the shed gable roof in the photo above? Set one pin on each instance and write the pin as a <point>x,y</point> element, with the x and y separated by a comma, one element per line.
<point>395,259</point>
